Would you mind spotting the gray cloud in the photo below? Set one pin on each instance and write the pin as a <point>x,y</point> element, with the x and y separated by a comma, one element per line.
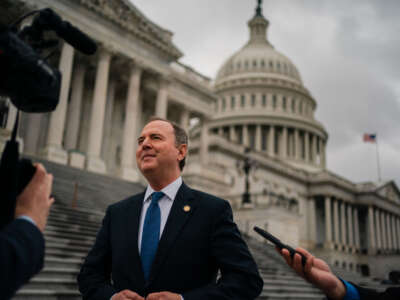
<point>346,51</point>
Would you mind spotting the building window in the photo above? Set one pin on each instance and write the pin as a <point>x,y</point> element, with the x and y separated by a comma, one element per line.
<point>271,64</point>
<point>293,104</point>
<point>223,104</point>
<point>263,63</point>
<point>238,65</point>
<point>284,103</point>
<point>242,101</point>
<point>301,107</point>
<point>254,63</point>
<point>278,66</point>
<point>233,102</point>
<point>274,101</point>
<point>253,100</point>
<point>246,64</point>
<point>264,100</point>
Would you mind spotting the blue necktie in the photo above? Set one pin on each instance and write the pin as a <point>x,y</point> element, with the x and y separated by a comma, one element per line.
<point>151,233</point>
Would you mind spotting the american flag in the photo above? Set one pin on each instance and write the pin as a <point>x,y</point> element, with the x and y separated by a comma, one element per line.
<point>369,138</point>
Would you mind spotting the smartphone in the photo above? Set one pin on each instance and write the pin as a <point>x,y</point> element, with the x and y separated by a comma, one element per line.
<point>279,244</point>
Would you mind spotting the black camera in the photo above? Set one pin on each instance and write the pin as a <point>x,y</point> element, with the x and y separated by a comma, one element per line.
<point>33,86</point>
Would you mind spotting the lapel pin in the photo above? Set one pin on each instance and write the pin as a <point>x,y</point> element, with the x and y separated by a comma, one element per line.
<point>186,208</point>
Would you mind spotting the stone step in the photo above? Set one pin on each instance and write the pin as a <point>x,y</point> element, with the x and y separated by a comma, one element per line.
<point>79,244</point>
<point>60,273</point>
<point>61,233</point>
<point>47,294</point>
<point>57,262</point>
<point>41,283</point>
<point>74,220</point>
<point>62,223</point>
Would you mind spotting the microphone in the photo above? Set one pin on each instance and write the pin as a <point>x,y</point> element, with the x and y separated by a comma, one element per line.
<point>48,19</point>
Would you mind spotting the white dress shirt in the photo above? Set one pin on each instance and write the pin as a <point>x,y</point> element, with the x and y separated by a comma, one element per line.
<point>165,204</point>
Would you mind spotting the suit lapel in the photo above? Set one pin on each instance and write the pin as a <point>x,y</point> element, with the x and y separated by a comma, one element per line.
<point>133,221</point>
<point>181,210</point>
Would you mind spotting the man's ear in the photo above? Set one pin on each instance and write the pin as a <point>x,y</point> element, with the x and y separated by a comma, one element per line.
<point>182,151</point>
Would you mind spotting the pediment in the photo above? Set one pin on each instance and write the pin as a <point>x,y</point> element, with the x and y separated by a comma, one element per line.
<point>126,15</point>
<point>390,191</point>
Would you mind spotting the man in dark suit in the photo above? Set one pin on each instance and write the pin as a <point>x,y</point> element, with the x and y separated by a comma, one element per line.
<point>21,241</point>
<point>170,241</point>
<point>317,272</point>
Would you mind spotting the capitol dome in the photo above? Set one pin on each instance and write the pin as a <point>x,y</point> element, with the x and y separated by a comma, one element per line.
<point>258,58</point>
<point>263,104</point>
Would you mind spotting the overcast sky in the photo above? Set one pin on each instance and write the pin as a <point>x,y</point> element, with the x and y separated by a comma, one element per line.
<point>347,52</point>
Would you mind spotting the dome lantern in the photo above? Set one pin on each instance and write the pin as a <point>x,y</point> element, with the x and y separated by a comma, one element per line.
<point>258,26</point>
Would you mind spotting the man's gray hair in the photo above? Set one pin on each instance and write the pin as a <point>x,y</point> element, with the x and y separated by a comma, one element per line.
<point>181,137</point>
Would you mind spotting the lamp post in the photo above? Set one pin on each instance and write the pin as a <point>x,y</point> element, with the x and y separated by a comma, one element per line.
<point>247,165</point>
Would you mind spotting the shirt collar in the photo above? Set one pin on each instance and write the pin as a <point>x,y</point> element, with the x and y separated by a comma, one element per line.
<point>170,190</point>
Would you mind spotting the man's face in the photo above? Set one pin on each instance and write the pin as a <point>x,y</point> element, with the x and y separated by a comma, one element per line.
<point>157,150</point>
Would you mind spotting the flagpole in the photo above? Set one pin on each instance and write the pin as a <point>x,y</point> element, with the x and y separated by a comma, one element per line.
<point>377,159</point>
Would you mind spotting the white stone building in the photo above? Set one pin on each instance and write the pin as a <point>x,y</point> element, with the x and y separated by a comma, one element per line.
<point>257,101</point>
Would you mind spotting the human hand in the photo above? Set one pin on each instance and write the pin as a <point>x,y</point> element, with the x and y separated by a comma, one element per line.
<point>164,296</point>
<point>317,272</point>
<point>34,201</point>
<point>127,295</point>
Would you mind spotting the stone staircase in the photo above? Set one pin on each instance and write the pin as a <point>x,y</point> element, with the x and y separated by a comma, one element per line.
<point>71,232</point>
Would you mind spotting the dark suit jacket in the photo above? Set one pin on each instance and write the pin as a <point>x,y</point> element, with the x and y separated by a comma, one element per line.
<point>21,255</point>
<point>193,247</point>
<point>368,294</point>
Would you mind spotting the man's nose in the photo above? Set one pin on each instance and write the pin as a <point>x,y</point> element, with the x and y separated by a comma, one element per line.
<point>146,144</point>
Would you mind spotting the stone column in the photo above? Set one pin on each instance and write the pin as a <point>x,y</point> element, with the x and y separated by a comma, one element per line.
<point>398,232</point>
<point>108,122</point>
<point>312,221</point>
<point>314,148</point>
<point>93,161</point>
<point>328,222</point>
<point>53,150</point>
<point>127,170</point>
<point>284,141</point>
<point>258,138</point>
<point>356,228</point>
<point>296,144</point>
<point>232,134</point>
<point>271,142</point>
<point>371,232</point>
<point>323,154</point>
<point>336,221</point>
<point>204,142</point>
<point>350,225</point>
<point>388,232</point>
<point>185,118</point>
<point>393,230</point>
<point>162,99</point>
<point>379,245</point>
<point>31,137</point>
<point>383,230</point>
<point>75,107</point>
<point>245,135</point>
<point>343,223</point>
<point>306,146</point>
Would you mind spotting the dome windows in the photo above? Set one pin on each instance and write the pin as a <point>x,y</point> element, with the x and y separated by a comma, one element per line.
<point>274,101</point>
<point>253,100</point>
<point>242,101</point>
<point>262,63</point>
<point>254,63</point>
<point>233,102</point>
<point>284,103</point>
<point>264,100</point>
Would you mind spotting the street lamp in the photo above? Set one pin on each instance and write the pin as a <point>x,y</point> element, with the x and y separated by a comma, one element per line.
<point>246,165</point>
